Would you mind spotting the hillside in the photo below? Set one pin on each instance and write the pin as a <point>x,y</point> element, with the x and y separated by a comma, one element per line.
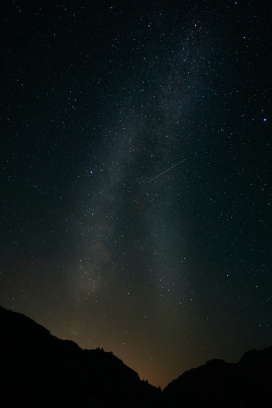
<point>247,383</point>
<point>38,369</point>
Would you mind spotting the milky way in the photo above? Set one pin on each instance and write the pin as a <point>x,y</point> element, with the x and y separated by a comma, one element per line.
<point>136,178</point>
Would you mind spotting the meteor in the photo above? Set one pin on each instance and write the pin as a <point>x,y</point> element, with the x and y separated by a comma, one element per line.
<point>167,170</point>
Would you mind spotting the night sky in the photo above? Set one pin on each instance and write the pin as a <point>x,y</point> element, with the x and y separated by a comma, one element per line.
<point>136,176</point>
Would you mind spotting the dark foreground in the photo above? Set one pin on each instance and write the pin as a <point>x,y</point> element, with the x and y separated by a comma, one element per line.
<point>38,369</point>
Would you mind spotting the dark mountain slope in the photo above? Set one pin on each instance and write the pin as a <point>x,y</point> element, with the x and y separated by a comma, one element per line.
<point>247,383</point>
<point>38,368</point>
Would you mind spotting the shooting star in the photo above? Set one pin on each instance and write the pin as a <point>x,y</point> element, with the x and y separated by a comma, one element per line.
<point>166,170</point>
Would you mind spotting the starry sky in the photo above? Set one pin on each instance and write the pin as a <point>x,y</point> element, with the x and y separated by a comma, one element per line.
<point>136,176</point>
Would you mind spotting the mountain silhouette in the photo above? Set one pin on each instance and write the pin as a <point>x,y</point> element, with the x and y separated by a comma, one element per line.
<point>247,383</point>
<point>38,369</point>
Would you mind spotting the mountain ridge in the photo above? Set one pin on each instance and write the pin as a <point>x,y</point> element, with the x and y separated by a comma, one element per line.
<point>38,368</point>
